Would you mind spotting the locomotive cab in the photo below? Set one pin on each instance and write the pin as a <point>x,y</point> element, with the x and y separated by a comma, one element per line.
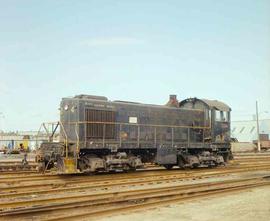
<point>217,118</point>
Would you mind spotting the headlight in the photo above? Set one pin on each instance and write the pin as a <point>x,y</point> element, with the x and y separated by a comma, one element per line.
<point>66,107</point>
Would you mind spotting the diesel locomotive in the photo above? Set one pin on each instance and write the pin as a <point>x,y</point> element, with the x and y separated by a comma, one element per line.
<point>97,134</point>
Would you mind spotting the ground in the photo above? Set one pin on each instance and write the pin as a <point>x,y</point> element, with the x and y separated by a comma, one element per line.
<point>250,205</point>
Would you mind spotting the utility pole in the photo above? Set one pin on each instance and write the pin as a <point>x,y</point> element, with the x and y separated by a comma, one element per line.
<point>1,130</point>
<point>258,128</point>
<point>1,116</point>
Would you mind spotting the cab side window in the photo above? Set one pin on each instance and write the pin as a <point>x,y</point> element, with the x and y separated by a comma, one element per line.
<point>218,115</point>
<point>222,116</point>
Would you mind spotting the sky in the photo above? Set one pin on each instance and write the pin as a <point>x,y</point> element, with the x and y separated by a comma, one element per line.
<point>131,50</point>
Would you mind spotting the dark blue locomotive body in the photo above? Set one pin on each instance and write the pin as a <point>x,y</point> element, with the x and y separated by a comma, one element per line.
<point>101,135</point>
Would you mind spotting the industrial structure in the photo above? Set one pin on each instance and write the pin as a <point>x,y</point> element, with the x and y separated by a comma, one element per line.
<point>246,130</point>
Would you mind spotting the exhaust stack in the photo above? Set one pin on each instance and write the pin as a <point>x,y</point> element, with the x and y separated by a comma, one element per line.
<point>173,102</point>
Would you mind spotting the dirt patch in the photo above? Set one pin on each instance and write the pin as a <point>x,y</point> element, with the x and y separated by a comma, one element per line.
<point>251,205</point>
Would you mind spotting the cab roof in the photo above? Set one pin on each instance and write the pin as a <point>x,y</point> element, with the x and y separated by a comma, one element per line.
<point>211,104</point>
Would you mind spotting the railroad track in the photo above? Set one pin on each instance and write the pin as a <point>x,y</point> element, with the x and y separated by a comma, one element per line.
<point>147,166</point>
<point>37,196</point>
<point>17,166</point>
<point>21,178</point>
<point>16,173</point>
<point>22,168</point>
<point>252,154</point>
<point>16,162</point>
<point>264,159</point>
<point>14,166</point>
<point>18,189</point>
<point>24,177</point>
<point>81,205</point>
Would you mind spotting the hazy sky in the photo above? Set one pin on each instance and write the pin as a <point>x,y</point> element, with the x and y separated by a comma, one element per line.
<point>131,50</point>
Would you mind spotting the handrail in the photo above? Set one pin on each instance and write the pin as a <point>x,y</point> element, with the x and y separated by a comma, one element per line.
<point>138,139</point>
<point>144,125</point>
<point>57,123</point>
<point>38,135</point>
<point>46,129</point>
<point>78,138</point>
<point>66,138</point>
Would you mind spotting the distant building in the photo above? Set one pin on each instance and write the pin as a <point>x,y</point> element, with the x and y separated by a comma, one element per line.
<point>30,139</point>
<point>246,131</point>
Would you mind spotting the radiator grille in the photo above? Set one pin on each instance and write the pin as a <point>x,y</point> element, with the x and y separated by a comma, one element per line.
<point>95,130</point>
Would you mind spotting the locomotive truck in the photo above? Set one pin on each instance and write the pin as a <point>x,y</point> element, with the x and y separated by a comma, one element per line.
<point>97,134</point>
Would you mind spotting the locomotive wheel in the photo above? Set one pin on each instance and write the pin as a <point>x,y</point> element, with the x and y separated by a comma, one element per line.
<point>168,166</point>
<point>131,169</point>
<point>41,166</point>
<point>49,165</point>
<point>230,156</point>
<point>226,157</point>
<point>195,166</point>
<point>210,166</point>
<point>181,162</point>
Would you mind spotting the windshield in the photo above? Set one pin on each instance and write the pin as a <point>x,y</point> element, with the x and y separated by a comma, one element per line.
<point>222,116</point>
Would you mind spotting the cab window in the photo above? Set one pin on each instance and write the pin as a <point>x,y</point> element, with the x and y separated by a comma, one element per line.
<point>222,116</point>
